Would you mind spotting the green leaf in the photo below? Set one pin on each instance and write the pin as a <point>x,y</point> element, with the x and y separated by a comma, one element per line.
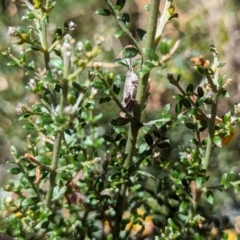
<point>148,65</point>
<point>175,15</point>
<point>116,87</point>
<point>137,187</point>
<point>29,126</point>
<point>122,62</point>
<point>209,196</point>
<point>56,63</point>
<point>156,134</point>
<point>129,52</point>
<point>190,126</point>
<point>165,46</point>
<point>146,174</point>
<point>44,159</point>
<point>110,79</point>
<point>164,145</point>
<point>232,176</point>
<point>98,84</point>
<point>119,33</point>
<point>204,124</point>
<point>164,128</point>
<point>178,96</point>
<point>158,122</point>
<point>190,89</point>
<point>59,33</point>
<point>174,224</point>
<point>108,138</point>
<point>152,55</point>
<point>126,19</point>
<point>44,119</point>
<point>194,141</point>
<point>221,64</point>
<point>184,206</point>
<point>199,181</point>
<point>103,12</point>
<point>122,143</point>
<point>200,92</point>
<point>12,63</point>
<point>137,62</point>
<point>143,147</point>
<point>104,99</point>
<point>87,46</point>
<point>49,145</point>
<point>217,141</point>
<point>208,100</point>
<point>120,4</point>
<point>224,179</point>
<point>118,137</point>
<point>144,72</point>
<point>199,69</point>
<point>148,139</point>
<point>119,121</point>
<point>77,86</point>
<point>58,192</point>
<point>27,202</point>
<point>15,171</point>
<point>186,103</point>
<point>141,34</point>
<point>178,107</point>
<point>90,105</point>
<point>235,183</point>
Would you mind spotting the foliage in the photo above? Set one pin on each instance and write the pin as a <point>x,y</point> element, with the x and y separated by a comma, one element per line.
<point>79,179</point>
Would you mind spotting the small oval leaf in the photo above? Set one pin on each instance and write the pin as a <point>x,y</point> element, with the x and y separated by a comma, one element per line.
<point>178,107</point>
<point>15,171</point>
<point>103,12</point>
<point>190,125</point>
<point>104,99</point>
<point>200,92</point>
<point>156,134</point>
<point>126,19</point>
<point>165,46</point>
<point>108,138</point>
<point>129,52</point>
<point>141,34</point>
<point>119,121</point>
<point>164,145</point>
<point>120,4</point>
<point>152,55</point>
<point>186,103</point>
<point>189,89</point>
<point>77,86</point>
<point>116,87</point>
<point>119,33</point>
<point>148,139</point>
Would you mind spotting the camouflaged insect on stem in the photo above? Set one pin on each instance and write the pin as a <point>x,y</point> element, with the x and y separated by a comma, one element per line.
<point>130,90</point>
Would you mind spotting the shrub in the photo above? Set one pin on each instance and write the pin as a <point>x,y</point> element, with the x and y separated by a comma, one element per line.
<point>81,178</point>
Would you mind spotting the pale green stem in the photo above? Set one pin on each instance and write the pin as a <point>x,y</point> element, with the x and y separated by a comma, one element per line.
<point>54,165</point>
<point>211,126</point>
<point>163,21</point>
<point>142,85</point>
<point>59,135</point>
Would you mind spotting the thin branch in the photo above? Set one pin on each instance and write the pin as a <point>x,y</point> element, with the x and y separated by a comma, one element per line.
<point>142,85</point>
<point>116,99</point>
<point>211,127</point>
<point>123,26</point>
<point>163,21</point>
